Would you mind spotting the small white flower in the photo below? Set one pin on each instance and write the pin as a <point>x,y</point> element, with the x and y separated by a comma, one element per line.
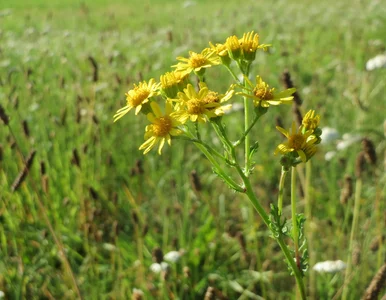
<point>2,294</point>
<point>329,135</point>
<point>157,268</point>
<point>173,256</point>
<point>376,62</point>
<point>329,155</point>
<point>348,140</point>
<point>329,266</point>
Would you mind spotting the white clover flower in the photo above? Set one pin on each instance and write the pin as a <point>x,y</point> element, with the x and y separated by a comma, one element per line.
<point>329,135</point>
<point>329,266</point>
<point>348,140</point>
<point>173,256</point>
<point>329,155</point>
<point>157,268</point>
<point>376,62</point>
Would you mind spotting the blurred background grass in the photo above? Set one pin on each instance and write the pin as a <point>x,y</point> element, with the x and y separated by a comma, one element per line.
<point>111,206</point>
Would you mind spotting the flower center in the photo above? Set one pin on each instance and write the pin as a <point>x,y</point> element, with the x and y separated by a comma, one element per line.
<point>197,60</point>
<point>296,141</point>
<point>162,126</point>
<point>139,96</point>
<point>195,107</point>
<point>211,97</point>
<point>263,93</point>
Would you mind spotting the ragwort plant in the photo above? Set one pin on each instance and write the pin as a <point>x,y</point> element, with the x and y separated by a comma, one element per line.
<point>177,110</point>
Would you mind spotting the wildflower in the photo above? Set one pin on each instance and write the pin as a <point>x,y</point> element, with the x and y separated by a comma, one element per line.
<point>264,96</point>
<point>173,256</point>
<point>197,62</point>
<point>234,48</point>
<point>310,121</point>
<point>138,96</point>
<point>197,106</point>
<point>173,82</point>
<point>158,267</point>
<point>329,155</point>
<point>301,143</point>
<point>249,43</point>
<point>348,140</point>
<point>161,129</point>
<point>376,62</point>
<point>222,52</point>
<point>329,266</point>
<point>329,135</point>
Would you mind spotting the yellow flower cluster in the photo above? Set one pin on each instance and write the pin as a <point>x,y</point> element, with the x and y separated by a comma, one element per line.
<point>183,103</point>
<point>301,141</point>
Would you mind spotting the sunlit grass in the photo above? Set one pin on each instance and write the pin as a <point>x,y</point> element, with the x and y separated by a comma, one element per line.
<point>46,80</point>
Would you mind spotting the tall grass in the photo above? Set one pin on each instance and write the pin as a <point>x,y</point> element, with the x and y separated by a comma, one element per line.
<point>111,207</point>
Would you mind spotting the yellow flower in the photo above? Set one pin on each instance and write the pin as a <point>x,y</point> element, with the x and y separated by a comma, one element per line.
<point>234,48</point>
<point>173,82</point>
<point>249,44</point>
<point>301,143</point>
<point>162,128</point>
<point>310,121</point>
<point>245,47</point>
<point>197,61</point>
<point>264,96</point>
<point>138,96</point>
<point>202,105</point>
<point>222,52</point>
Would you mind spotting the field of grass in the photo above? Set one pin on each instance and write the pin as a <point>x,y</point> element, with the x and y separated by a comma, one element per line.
<point>64,69</point>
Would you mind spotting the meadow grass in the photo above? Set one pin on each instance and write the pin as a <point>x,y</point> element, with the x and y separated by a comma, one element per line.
<point>110,206</point>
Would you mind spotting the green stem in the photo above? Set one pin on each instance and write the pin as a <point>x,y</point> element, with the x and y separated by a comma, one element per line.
<point>295,229</point>
<point>233,74</point>
<point>281,189</point>
<point>193,140</point>
<point>354,227</point>
<point>217,166</point>
<point>246,128</point>
<point>252,197</point>
<point>309,230</point>
<point>247,131</point>
<point>259,208</point>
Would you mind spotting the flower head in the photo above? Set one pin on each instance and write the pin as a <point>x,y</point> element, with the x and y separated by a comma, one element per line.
<point>310,121</point>
<point>249,44</point>
<point>265,96</point>
<point>173,82</point>
<point>234,48</point>
<point>197,61</point>
<point>162,128</point>
<point>298,142</point>
<point>329,266</point>
<point>198,106</point>
<point>246,47</point>
<point>138,96</point>
<point>222,52</point>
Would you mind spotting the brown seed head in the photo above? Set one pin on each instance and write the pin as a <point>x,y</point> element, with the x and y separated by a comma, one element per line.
<point>158,255</point>
<point>347,190</point>
<point>360,164</point>
<point>369,150</point>
<point>376,284</point>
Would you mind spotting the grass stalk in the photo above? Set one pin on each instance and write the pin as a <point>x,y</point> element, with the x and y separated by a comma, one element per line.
<point>354,228</point>
<point>48,223</point>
